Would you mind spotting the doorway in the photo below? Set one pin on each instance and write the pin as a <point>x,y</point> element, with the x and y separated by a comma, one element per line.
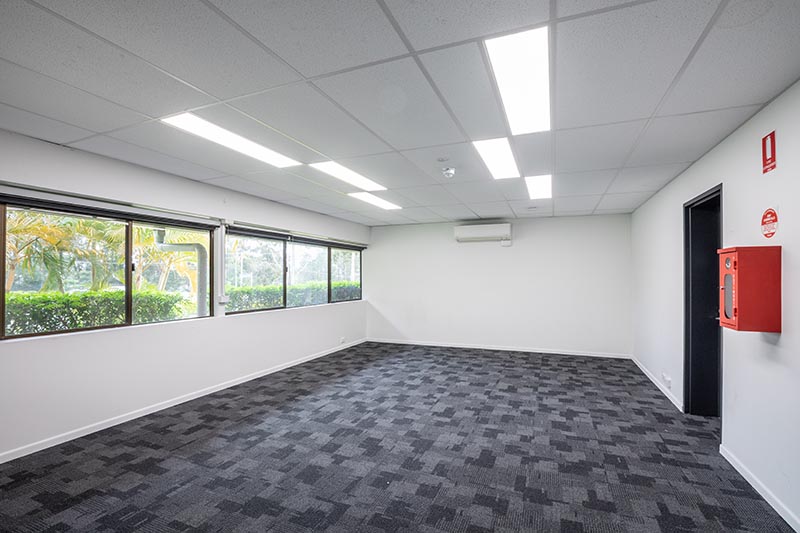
<point>702,367</point>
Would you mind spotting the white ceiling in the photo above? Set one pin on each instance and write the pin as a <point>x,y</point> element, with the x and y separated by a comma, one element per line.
<point>396,90</point>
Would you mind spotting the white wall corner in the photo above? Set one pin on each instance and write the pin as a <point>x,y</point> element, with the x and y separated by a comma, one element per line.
<point>663,388</point>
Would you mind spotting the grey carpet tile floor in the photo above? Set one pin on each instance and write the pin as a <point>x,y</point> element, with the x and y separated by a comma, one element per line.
<point>388,438</point>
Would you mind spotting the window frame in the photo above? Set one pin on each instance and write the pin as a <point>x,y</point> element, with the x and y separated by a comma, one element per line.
<point>360,251</point>
<point>67,209</point>
<point>255,235</point>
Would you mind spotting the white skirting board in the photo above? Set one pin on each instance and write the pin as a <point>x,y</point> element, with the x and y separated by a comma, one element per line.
<point>792,519</point>
<point>661,387</point>
<point>502,348</point>
<point>98,426</point>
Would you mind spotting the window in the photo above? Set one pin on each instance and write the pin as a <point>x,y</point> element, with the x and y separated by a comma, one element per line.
<point>170,273</point>
<point>345,275</point>
<point>67,271</point>
<point>62,272</point>
<point>253,273</point>
<point>306,274</point>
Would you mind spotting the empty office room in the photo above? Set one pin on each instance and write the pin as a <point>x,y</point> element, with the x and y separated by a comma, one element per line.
<point>389,266</point>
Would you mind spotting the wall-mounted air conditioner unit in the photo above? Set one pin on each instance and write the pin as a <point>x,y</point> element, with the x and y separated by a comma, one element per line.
<point>483,232</point>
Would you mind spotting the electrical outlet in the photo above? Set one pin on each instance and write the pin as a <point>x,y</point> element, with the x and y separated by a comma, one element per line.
<point>341,340</point>
<point>667,380</point>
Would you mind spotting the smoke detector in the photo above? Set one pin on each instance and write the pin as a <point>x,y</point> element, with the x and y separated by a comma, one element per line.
<point>448,172</point>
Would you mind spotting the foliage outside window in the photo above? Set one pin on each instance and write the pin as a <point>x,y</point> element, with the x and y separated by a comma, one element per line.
<point>66,272</point>
<point>253,273</point>
<point>345,275</point>
<point>306,274</point>
<point>62,272</point>
<point>170,273</point>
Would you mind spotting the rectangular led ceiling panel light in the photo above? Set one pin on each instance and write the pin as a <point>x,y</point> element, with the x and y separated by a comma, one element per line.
<point>355,179</point>
<point>211,132</point>
<point>539,187</point>
<point>496,154</point>
<point>521,66</point>
<point>374,200</point>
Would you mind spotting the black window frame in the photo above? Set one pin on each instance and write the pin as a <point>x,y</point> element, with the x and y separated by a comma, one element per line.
<point>289,239</point>
<point>66,208</point>
<point>239,232</point>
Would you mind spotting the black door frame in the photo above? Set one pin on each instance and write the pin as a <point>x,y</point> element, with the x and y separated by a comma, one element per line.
<point>687,259</point>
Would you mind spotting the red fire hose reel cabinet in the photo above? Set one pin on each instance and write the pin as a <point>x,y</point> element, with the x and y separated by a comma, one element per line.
<point>750,288</point>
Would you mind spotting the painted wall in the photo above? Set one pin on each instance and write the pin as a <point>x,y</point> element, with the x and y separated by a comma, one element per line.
<point>563,286</point>
<point>761,372</point>
<point>60,387</point>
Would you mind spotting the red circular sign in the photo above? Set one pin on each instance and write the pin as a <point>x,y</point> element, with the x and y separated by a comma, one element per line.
<point>769,223</point>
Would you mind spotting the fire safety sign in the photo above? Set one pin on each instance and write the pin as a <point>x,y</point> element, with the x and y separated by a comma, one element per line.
<point>768,161</point>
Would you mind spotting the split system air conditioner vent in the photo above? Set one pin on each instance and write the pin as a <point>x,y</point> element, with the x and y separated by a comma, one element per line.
<point>483,232</point>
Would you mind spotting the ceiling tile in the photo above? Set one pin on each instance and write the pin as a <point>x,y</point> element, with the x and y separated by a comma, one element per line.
<point>463,79</point>
<point>596,147</point>
<point>290,182</point>
<point>476,191</point>
<point>492,209</point>
<point>684,138</point>
<point>303,113</point>
<point>110,147</point>
<point>358,218</point>
<point>318,37</point>
<point>384,216</point>
<point>74,57</point>
<point>532,208</point>
<point>391,170</point>
<point>624,211</point>
<point>623,201</point>
<point>183,37</point>
<point>339,201</point>
<point>435,22</point>
<point>582,183</point>
<point>534,153</point>
<point>313,205</point>
<point>513,189</point>
<point>176,143</point>
<point>645,179</point>
<point>422,214</point>
<point>17,120</point>
<point>321,178</point>
<point>430,195</point>
<point>461,156</point>
<point>566,8</point>
<point>395,101</point>
<point>454,212</point>
<point>618,65</point>
<point>753,47</point>
<point>396,198</point>
<point>573,204</point>
<point>236,183</point>
<point>45,96</point>
<point>238,122</point>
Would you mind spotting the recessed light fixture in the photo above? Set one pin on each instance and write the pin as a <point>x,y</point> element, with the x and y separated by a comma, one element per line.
<point>496,154</point>
<point>374,200</point>
<point>338,171</point>
<point>539,187</point>
<point>211,132</point>
<point>521,66</point>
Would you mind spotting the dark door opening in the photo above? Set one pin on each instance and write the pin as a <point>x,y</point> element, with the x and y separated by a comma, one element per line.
<point>702,367</point>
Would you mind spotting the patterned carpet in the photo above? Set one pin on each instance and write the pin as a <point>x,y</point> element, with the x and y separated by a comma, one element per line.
<point>385,438</point>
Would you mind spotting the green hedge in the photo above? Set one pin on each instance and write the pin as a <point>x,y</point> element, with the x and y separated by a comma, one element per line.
<point>269,296</point>
<point>42,312</point>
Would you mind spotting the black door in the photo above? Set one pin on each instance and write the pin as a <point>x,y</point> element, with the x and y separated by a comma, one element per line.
<point>702,370</point>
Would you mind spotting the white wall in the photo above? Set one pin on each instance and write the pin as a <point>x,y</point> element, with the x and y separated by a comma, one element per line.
<point>761,372</point>
<point>563,286</point>
<point>60,387</point>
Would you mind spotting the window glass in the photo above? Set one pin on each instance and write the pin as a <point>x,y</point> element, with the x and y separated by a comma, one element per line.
<point>63,272</point>
<point>345,275</point>
<point>170,273</point>
<point>253,273</point>
<point>306,275</point>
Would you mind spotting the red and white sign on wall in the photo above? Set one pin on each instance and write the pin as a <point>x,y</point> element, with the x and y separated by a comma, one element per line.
<point>769,223</point>
<point>768,160</point>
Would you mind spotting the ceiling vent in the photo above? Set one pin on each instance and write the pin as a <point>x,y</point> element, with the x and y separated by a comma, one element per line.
<point>483,232</point>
